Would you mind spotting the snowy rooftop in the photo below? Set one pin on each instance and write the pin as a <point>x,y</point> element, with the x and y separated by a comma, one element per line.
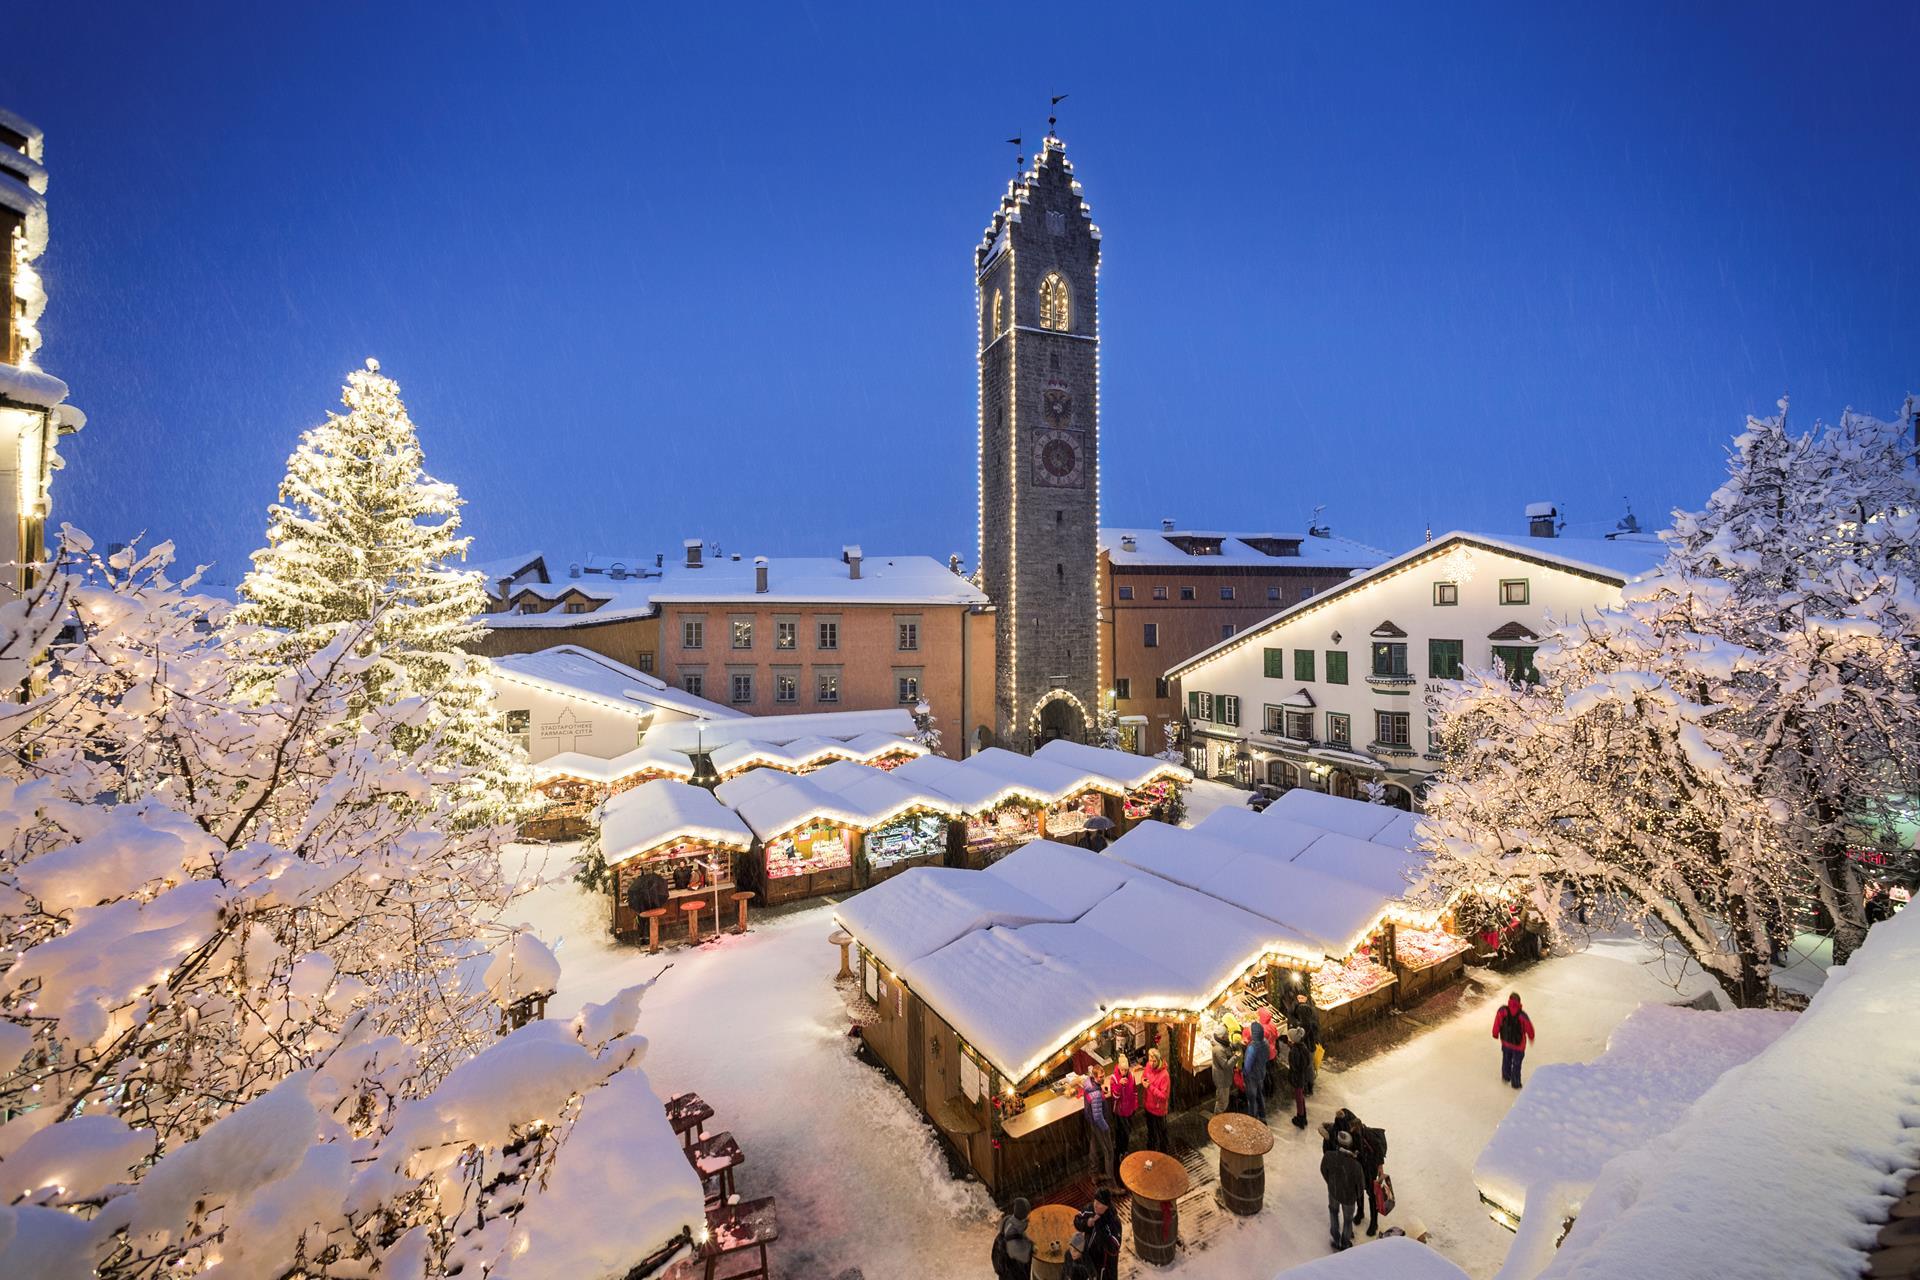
<point>645,758</point>
<point>1157,548</point>
<point>1122,768</point>
<point>781,730</point>
<point>973,789</point>
<point>582,673</point>
<point>1387,1258</point>
<point>662,811</point>
<point>855,795</point>
<point>1576,1116</point>
<point>1783,1165</point>
<point>804,753</point>
<point>1031,774</point>
<point>883,580</point>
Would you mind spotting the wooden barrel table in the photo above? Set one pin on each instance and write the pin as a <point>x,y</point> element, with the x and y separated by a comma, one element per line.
<point>1244,1143</point>
<point>1050,1227</point>
<point>1156,1181</point>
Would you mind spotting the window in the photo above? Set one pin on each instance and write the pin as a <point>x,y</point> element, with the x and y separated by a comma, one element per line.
<point>693,633</point>
<point>1126,593</point>
<point>1390,728</point>
<point>1150,635</point>
<point>1162,687</point>
<point>1226,709</point>
<point>1300,725</point>
<point>907,684</point>
<point>1226,631</point>
<point>1200,706</point>
<point>786,634</point>
<point>1336,666</point>
<point>830,634</point>
<point>1056,309</point>
<point>826,686</point>
<point>576,606</point>
<point>1226,593</point>
<point>743,633</point>
<point>529,606</point>
<point>1517,661</point>
<point>1303,664</point>
<point>693,682</point>
<point>907,636</point>
<point>1339,729</point>
<point>1159,593</point>
<point>646,660</point>
<point>999,308</point>
<point>520,725</point>
<point>1122,689</point>
<point>1301,592</point>
<point>1273,595</point>
<point>1389,658</point>
<point>786,686</point>
<point>1273,720</point>
<point>1274,663</point>
<point>1186,593</point>
<point>1513,591</point>
<point>1445,593</point>
<point>1443,659</point>
<point>740,686</point>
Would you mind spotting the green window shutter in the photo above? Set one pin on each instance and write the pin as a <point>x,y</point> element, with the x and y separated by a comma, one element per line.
<point>1303,664</point>
<point>1275,667</point>
<point>1336,666</point>
<point>1443,659</point>
<point>1193,706</point>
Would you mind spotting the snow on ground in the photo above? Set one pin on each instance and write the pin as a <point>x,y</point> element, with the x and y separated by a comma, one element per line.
<point>755,1025</point>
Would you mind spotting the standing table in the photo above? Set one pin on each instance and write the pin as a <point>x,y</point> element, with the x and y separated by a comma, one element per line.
<point>1244,1143</point>
<point>1155,1180</point>
<point>1050,1227</point>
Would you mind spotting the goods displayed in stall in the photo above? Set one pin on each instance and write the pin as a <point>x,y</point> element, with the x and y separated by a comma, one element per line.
<point>1150,799</point>
<point>808,850</point>
<point>1070,815</point>
<point>919,838</point>
<point>1420,948</point>
<point>1336,984</point>
<point>1013,823</point>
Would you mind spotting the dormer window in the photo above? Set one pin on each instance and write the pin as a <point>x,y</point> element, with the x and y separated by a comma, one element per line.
<point>1056,307</point>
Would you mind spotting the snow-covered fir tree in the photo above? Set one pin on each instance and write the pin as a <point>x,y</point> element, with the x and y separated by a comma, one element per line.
<point>926,728</point>
<point>1703,756</point>
<point>250,1012</point>
<point>363,540</point>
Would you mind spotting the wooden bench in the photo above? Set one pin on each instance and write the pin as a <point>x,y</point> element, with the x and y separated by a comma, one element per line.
<point>714,1158</point>
<point>688,1114</point>
<point>738,1231</point>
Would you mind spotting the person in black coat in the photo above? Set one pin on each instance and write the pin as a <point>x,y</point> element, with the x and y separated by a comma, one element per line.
<point>1299,1072</point>
<point>1341,1172</point>
<point>1369,1148</point>
<point>1306,1015</point>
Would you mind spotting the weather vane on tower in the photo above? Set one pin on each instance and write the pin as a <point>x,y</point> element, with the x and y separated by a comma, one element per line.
<point>1053,112</point>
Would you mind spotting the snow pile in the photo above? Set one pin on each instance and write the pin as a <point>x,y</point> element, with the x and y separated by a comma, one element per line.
<point>1782,1166</point>
<point>1393,1258</point>
<point>1574,1117</point>
<point>521,966</point>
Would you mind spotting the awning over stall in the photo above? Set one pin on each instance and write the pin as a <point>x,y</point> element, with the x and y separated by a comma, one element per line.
<point>663,812</point>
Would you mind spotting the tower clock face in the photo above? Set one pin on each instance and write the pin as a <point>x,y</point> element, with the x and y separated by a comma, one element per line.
<point>1059,460</point>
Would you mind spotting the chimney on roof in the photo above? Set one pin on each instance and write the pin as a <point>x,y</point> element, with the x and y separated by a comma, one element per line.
<point>852,556</point>
<point>1126,542</point>
<point>618,571</point>
<point>736,557</point>
<point>760,575</point>
<point>694,547</point>
<point>1542,520</point>
<point>659,559</point>
<point>1166,525</point>
<point>573,570</point>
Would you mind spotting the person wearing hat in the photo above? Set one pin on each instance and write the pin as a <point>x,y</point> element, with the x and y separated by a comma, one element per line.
<point>1012,1248</point>
<point>1223,1066</point>
<point>1345,1189</point>
<point>1299,1072</point>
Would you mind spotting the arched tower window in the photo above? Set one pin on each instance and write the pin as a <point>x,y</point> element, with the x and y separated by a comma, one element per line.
<point>1056,309</point>
<point>997,318</point>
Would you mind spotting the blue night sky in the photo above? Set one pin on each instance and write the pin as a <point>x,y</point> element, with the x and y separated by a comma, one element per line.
<point>645,274</point>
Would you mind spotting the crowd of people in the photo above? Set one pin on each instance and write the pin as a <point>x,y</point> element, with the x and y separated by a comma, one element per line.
<point>1249,1060</point>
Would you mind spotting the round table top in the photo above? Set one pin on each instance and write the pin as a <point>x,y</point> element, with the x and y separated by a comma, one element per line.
<point>1240,1133</point>
<point>741,895</point>
<point>1154,1175</point>
<point>693,904</point>
<point>839,937</point>
<point>654,911</point>
<point>1050,1227</point>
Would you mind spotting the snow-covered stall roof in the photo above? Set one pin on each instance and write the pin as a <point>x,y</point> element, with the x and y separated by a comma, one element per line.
<point>645,758</point>
<point>1049,778</point>
<point>1354,818</point>
<point>1784,1166</point>
<point>804,753</point>
<point>1064,876</point>
<point>875,795</point>
<point>662,811</point>
<point>854,795</point>
<point>921,910</point>
<point>1393,872</point>
<point>1205,940</point>
<point>582,673</point>
<point>1576,1116</point>
<point>1385,1258</point>
<point>781,730</point>
<point>973,789</point>
<point>1122,768</point>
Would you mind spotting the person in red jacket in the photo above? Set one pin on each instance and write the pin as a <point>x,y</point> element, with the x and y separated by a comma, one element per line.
<point>1125,1099</point>
<point>1514,1030</point>
<point>1158,1088</point>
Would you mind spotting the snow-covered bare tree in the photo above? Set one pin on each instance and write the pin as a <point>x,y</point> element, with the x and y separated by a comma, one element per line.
<point>1702,756</point>
<point>926,727</point>
<point>363,541</point>
<point>249,1008</point>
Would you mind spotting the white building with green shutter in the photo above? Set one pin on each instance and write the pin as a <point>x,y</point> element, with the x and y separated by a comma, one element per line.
<point>1338,690</point>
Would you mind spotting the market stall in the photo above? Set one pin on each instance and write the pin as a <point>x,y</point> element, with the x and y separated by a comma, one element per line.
<point>568,787</point>
<point>1353,993</point>
<point>898,825</point>
<point>1425,960</point>
<point>996,816</point>
<point>812,828</point>
<point>666,843</point>
<point>1149,786</point>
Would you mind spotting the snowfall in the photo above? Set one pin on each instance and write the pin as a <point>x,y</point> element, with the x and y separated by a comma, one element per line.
<point>755,1024</point>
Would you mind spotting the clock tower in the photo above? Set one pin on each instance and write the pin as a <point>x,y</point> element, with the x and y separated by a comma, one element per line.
<point>1036,273</point>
